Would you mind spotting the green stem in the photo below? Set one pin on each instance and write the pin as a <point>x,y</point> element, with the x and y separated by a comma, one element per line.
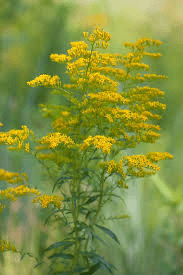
<point>102,181</point>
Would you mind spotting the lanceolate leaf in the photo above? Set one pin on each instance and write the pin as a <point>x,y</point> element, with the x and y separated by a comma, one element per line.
<point>38,264</point>
<point>92,269</point>
<point>99,261</point>
<point>108,232</point>
<point>91,199</point>
<point>59,244</point>
<point>61,255</point>
<point>97,237</point>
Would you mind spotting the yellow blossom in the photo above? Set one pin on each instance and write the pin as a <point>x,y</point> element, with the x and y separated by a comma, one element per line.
<point>45,200</point>
<point>156,156</point>
<point>100,142</point>
<point>4,245</point>
<point>15,137</point>
<point>141,163</point>
<point>59,58</point>
<point>54,139</point>
<point>12,177</point>
<point>27,147</point>
<point>45,80</point>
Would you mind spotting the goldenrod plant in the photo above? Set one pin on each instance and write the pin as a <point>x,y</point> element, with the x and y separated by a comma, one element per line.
<point>110,106</point>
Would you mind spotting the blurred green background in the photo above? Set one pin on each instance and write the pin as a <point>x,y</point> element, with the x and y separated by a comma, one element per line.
<point>152,239</point>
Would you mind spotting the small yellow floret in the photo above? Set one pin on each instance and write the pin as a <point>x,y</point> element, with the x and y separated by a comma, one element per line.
<point>45,80</point>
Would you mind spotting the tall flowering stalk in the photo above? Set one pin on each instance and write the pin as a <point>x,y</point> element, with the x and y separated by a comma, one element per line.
<point>88,145</point>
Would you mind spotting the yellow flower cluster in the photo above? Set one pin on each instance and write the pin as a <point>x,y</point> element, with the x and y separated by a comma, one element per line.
<point>119,74</point>
<point>113,166</point>
<point>150,136</point>
<point>156,156</point>
<point>79,48</point>
<point>65,113</point>
<point>4,245</point>
<point>108,96</point>
<point>50,156</point>
<point>155,55</point>
<point>137,65</point>
<point>45,80</point>
<point>142,43</point>
<point>154,76</point>
<point>59,124</point>
<point>74,67</point>
<point>12,177</point>
<point>59,58</point>
<point>109,59</point>
<point>142,93</point>
<point>109,118</point>
<point>14,137</point>
<point>45,200</point>
<point>54,139</point>
<point>100,142</point>
<point>1,124</point>
<point>126,115</point>
<point>27,147</point>
<point>12,193</point>
<point>98,35</point>
<point>156,105</point>
<point>97,79</point>
<point>150,77</point>
<point>140,162</point>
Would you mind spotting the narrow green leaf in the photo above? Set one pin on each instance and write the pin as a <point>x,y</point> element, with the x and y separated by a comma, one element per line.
<point>59,244</point>
<point>92,269</point>
<point>91,199</point>
<point>108,232</point>
<point>61,255</point>
<point>38,264</point>
<point>21,258</point>
<point>97,237</point>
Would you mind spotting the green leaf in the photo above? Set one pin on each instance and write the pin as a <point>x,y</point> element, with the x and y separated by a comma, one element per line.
<point>49,216</point>
<point>21,258</point>
<point>61,181</point>
<point>38,264</point>
<point>108,232</point>
<point>96,259</point>
<point>91,199</point>
<point>92,269</point>
<point>61,255</point>
<point>59,244</point>
<point>97,237</point>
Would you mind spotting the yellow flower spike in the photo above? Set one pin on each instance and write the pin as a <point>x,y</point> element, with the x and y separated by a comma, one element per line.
<point>92,38</point>
<point>45,200</point>
<point>27,147</point>
<point>54,139</point>
<point>6,245</point>
<point>85,34</point>
<point>59,58</point>
<point>100,142</point>
<point>45,80</point>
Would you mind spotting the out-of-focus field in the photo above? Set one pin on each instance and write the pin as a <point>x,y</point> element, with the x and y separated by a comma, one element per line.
<point>152,239</point>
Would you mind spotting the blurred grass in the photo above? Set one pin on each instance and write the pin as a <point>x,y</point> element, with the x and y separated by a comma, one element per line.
<point>152,240</point>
